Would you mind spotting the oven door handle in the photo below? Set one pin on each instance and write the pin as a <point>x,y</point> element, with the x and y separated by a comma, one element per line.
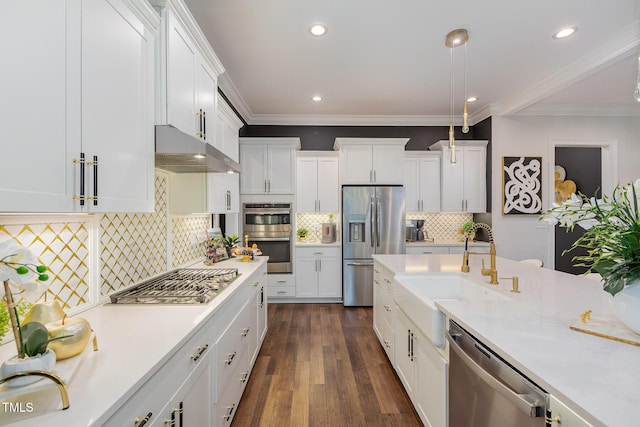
<point>259,212</point>
<point>269,239</point>
<point>527,403</point>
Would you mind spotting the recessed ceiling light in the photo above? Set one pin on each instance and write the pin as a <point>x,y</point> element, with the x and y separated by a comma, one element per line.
<point>199,156</point>
<point>318,30</point>
<point>316,98</point>
<point>565,32</point>
<point>472,99</point>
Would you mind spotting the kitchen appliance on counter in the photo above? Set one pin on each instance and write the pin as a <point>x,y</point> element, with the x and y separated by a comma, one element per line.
<point>410,233</point>
<point>269,226</point>
<point>328,232</point>
<point>484,390</point>
<point>373,220</point>
<point>420,234</point>
<point>181,286</point>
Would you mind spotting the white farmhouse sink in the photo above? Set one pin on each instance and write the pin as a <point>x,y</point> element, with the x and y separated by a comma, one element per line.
<point>416,296</point>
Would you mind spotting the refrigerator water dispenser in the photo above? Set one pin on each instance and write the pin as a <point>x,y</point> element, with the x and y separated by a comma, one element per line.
<point>356,231</point>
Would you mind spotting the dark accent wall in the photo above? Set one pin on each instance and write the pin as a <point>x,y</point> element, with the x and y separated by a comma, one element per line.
<point>323,137</point>
<point>583,165</point>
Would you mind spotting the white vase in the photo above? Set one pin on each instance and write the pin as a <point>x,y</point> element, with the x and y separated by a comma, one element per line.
<point>626,306</point>
<point>41,362</point>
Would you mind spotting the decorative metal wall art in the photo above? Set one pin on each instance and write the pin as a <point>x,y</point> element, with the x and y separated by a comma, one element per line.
<point>521,185</point>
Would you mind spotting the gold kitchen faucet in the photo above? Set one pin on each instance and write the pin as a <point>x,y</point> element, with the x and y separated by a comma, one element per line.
<point>491,271</point>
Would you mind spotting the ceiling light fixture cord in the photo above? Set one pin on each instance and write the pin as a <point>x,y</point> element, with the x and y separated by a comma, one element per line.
<point>465,121</point>
<point>452,141</point>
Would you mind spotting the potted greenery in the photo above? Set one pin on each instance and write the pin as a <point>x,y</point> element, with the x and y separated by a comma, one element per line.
<point>469,229</point>
<point>230,242</point>
<point>612,241</point>
<point>302,233</point>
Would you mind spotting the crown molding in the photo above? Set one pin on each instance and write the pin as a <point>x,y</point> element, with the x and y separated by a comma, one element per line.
<point>234,97</point>
<point>595,110</point>
<point>350,120</point>
<point>622,45</point>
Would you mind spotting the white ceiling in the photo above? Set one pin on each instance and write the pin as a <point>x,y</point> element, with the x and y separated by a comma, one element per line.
<point>385,62</point>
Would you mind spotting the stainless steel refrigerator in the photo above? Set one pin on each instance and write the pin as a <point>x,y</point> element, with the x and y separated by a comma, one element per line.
<point>373,222</point>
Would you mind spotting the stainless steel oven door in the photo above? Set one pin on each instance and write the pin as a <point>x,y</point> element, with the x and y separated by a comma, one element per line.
<point>278,250</point>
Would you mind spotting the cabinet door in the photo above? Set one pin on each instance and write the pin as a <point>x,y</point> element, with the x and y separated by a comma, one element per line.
<point>307,277</point>
<point>475,164</point>
<point>411,184</point>
<point>452,181</point>
<point>387,164</point>
<point>194,400</point>
<point>40,108</point>
<point>217,193</point>
<point>181,72</point>
<point>329,283</point>
<point>206,90</point>
<point>117,106</point>
<point>430,184</point>
<point>566,416</point>
<point>432,383</point>
<point>405,361</point>
<point>307,184</point>
<point>231,141</point>
<point>355,164</point>
<point>328,185</point>
<point>253,159</point>
<point>280,169</point>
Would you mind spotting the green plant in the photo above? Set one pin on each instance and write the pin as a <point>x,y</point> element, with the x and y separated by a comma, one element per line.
<point>469,229</point>
<point>302,232</point>
<point>611,237</point>
<point>5,322</point>
<point>230,241</point>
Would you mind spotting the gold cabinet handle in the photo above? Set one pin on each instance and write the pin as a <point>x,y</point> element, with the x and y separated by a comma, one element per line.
<point>139,422</point>
<point>229,358</point>
<point>201,350</point>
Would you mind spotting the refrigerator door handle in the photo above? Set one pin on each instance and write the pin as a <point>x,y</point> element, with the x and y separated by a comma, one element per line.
<point>377,222</point>
<point>372,217</point>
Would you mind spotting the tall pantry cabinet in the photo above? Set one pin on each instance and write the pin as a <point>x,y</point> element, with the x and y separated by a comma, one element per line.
<point>77,106</point>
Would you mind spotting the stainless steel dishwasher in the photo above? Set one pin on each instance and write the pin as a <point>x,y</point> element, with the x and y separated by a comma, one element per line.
<point>484,390</point>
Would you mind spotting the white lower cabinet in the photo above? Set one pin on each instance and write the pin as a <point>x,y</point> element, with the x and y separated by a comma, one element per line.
<point>281,286</point>
<point>559,414</point>
<point>201,385</point>
<point>426,250</point>
<point>384,310</point>
<point>318,272</point>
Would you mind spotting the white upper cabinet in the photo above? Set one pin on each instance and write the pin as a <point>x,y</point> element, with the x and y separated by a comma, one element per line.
<point>223,192</point>
<point>81,139</point>
<point>376,161</point>
<point>228,125</point>
<point>464,184</point>
<point>422,181</point>
<point>268,165</point>
<point>188,72</point>
<point>317,182</point>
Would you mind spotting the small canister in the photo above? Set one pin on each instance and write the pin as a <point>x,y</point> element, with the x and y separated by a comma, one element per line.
<point>328,232</point>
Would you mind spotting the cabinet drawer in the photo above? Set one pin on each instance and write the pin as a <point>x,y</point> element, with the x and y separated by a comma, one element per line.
<point>318,251</point>
<point>231,348</point>
<point>427,250</point>
<point>281,291</point>
<point>281,280</point>
<point>227,404</point>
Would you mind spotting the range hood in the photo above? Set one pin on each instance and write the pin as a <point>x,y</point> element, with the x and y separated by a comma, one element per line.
<point>175,151</point>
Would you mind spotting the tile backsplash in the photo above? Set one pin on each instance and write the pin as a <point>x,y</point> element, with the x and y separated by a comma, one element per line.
<point>442,226</point>
<point>91,256</point>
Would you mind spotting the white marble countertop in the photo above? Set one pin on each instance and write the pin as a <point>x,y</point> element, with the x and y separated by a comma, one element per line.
<point>596,377</point>
<point>446,243</point>
<point>134,342</point>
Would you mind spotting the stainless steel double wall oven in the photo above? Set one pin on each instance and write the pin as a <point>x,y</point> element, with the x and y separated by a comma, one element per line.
<point>269,226</point>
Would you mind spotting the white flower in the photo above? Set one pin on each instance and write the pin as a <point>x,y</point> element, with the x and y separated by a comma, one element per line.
<point>11,252</point>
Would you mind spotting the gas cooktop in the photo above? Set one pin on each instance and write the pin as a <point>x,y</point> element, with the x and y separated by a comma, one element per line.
<point>182,286</point>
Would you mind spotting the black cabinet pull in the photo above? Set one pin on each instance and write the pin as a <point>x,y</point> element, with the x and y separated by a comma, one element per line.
<point>204,125</point>
<point>95,180</point>
<point>141,422</point>
<point>180,411</point>
<point>82,194</point>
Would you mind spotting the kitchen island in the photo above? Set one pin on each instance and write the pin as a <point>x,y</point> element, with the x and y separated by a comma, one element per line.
<point>595,377</point>
<point>136,342</point>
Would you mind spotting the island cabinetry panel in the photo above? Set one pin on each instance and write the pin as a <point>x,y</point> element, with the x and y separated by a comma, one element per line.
<point>94,125</point>
<point>268,165</point>
<point>419,250</point>
<point>464,186</point>
<point>317,182</point>
<point>422,369</point>
<point>561,415</point>
<point>318,272</point>
<point>374,161</point>
<point>422,182</point>
<point>384,309</point>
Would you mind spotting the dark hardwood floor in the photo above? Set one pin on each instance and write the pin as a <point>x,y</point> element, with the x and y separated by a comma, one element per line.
<point>322,365</point>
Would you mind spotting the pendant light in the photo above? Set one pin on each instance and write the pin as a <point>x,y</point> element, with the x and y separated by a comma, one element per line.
<point>454,39</point>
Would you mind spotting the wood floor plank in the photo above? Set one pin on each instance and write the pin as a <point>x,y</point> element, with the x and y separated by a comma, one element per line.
<point>322,365</point>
